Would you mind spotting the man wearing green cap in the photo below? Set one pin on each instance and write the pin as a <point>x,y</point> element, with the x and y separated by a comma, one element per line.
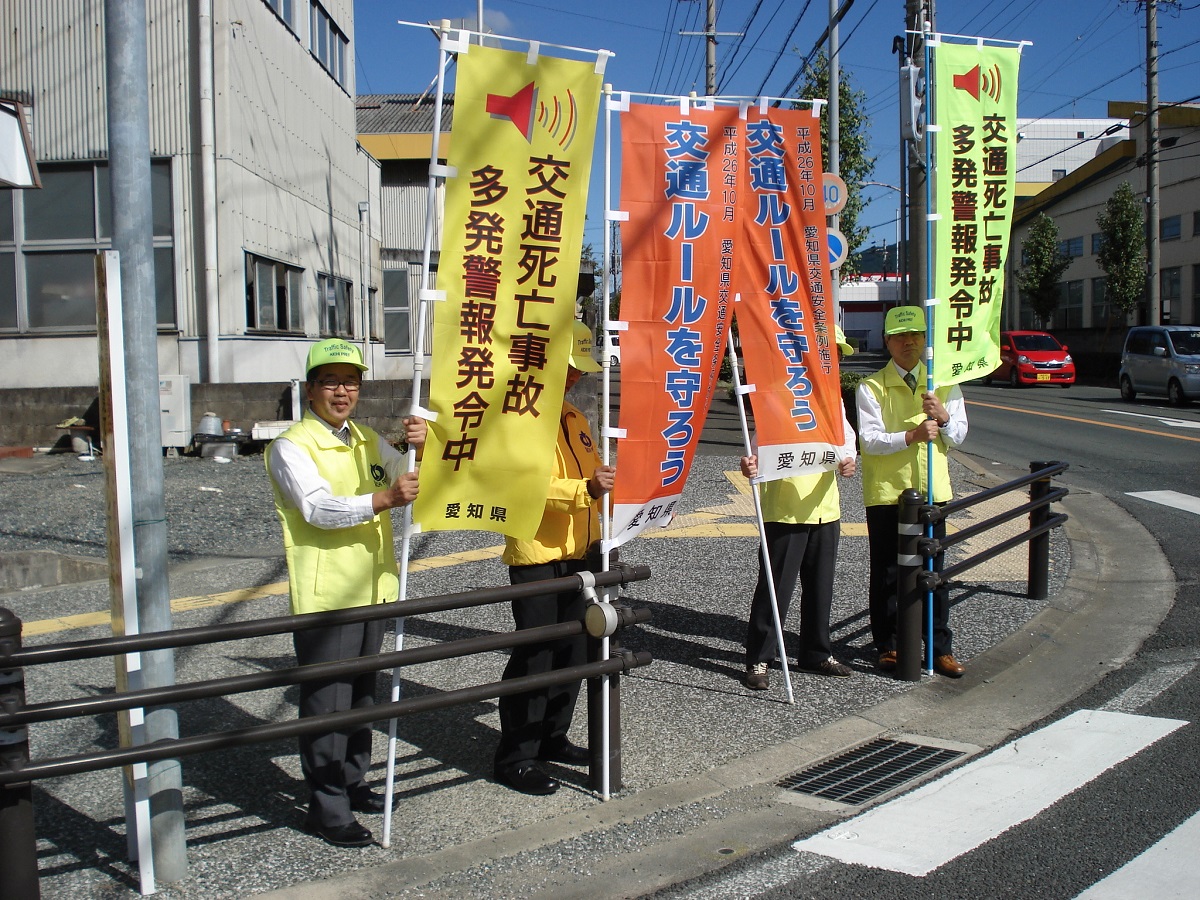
<point>334,481</point>
<point>899,425</point>
<point>534,724</point>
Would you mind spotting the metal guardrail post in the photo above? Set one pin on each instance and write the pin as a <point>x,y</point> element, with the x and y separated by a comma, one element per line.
<point>908,595</point>
<point>1039,546</point>
<point>596,688</point>
<point>18,841</point>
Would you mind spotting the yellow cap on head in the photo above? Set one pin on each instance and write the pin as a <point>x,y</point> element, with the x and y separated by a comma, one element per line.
<point>842,343</point>
<point>904,319</point>
<point>581,349</point>
<point>333,350</point>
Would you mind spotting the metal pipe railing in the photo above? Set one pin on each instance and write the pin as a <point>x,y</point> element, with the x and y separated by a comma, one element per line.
<point>915,581</point>
<point>18,851</point>
<point>227,631</point>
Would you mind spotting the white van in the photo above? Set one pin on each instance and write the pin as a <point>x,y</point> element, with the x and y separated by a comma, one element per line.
<point>1161,359</point>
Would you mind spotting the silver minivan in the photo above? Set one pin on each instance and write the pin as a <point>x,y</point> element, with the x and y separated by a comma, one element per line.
<point>1161,359</point>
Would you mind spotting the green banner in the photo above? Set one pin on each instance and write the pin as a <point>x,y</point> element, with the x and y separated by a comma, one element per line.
<point>975,107</point>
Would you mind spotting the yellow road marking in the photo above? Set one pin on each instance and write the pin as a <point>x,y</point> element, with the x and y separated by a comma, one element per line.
<point>241,595</point>
<point>1167,434</point>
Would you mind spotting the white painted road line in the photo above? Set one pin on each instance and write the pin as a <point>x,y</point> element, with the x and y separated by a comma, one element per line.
<point>1162,420</point>
<point>1166,871</point>
<point>1148,687</point>
<point>918,832</point>
<point>1173,499</point>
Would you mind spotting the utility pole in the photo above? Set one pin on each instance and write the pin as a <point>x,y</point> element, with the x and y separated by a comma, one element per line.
<point>710,49</point>
<point>710,35</point>
<point>129,167</point>
<point>918,14</point>
<point>1153,297</point>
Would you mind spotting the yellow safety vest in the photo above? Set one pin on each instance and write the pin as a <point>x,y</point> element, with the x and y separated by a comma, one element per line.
<point>571,520</point>
<point>886,476</point>
<point>801,499</point>
<point>338,568</point>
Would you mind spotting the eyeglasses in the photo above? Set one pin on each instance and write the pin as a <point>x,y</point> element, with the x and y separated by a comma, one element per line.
<point>331,383</point>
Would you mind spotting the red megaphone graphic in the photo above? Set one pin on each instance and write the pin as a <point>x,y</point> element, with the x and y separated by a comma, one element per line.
<point>968,82</point>
<point>517,108</point>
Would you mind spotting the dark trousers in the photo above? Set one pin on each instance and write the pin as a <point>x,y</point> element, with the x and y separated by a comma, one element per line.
<point>335,763</point>
<point>533,718</point>
<point>882,525</point>
<point>804,553</point>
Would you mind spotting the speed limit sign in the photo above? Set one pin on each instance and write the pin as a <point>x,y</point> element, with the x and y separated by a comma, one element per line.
<point>835,193</point>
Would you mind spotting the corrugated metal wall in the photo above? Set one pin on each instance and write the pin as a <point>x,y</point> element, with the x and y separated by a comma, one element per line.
<point>54,51</point>
<point>403,207</point>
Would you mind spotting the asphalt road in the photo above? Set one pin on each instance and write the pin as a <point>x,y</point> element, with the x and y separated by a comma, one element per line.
<point>1115,449</point>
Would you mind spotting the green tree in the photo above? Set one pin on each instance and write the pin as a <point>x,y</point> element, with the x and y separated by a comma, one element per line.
<point>1043,266</point>
<point>855,162</point>
<point>1122,254</point>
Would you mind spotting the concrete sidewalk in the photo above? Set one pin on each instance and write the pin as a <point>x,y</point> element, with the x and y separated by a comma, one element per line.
<point>701,753</point>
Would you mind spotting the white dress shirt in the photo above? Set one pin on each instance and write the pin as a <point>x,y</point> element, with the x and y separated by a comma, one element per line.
<point>876,440</point>
<point>302,486</point>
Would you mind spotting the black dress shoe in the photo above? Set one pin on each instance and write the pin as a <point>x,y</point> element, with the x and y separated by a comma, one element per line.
<point>350,835</point>
<point>565,752</point>
<point>527,778</point>
<point>366,801</point>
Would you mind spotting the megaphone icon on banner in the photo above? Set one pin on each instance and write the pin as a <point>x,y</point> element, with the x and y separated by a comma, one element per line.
<point>974,81</point>
<point>559,117</point>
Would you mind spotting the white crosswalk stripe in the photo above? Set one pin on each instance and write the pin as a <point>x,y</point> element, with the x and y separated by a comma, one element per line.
<point>1173,499</point>
<point>988,795</point>
<point>1166,871</point>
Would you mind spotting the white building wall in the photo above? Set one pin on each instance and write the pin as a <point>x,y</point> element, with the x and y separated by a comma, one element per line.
<point>1076,214</point>
<point>290,175</point>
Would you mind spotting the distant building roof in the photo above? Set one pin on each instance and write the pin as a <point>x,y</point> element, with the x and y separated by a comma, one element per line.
<point>401,113</point>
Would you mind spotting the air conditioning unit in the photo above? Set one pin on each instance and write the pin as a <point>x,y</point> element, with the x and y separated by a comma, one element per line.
<point>175,403</point>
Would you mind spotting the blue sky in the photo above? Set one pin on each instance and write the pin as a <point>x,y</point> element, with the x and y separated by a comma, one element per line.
<point>1084,53</point>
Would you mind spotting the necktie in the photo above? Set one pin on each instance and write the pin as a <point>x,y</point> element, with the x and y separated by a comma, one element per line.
<point>343,435</point>
<point>911,380</point>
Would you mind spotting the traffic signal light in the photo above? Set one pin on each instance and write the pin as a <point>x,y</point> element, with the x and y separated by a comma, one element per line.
<point>912,103</point>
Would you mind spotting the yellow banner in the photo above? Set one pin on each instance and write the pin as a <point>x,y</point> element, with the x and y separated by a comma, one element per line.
<point>976,148</point>
<point>521,143</point>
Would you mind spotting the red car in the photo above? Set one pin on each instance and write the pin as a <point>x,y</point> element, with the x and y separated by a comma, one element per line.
<point>1033,357</point>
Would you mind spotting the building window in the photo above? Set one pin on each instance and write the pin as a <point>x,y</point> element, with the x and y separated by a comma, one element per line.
<point>334,296</point>
<point>1099,303</point>
<point>1071,247</point>
<point>328,43</point>
<point>1097,243</point>
<point>1169,228</point>
<point>397,311</point>
<point>1058,174</point>
<point>1195,296</point>
<point>49,239</point>
<point>1071,306</point>
<point>274,292</point>
<point>1195,224</point>
<point>285,9</point>
<point>1169,293</point>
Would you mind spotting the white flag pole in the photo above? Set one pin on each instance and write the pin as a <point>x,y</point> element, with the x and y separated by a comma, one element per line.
<point>437,174</point>
<point>740,391</point>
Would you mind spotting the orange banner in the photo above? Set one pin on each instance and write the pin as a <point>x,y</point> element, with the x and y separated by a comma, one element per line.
<point>679,188</point>
<point>522,147</point>
<point>785,317</point>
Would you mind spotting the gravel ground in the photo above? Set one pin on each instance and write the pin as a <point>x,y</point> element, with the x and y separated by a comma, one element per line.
<point>684,714</point>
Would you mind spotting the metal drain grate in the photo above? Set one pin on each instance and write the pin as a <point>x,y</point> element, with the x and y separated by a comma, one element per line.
<point>866,772</point>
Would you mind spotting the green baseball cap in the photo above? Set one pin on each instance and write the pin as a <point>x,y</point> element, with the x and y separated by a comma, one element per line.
<point>333,350</point>
<point>904,319</point>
